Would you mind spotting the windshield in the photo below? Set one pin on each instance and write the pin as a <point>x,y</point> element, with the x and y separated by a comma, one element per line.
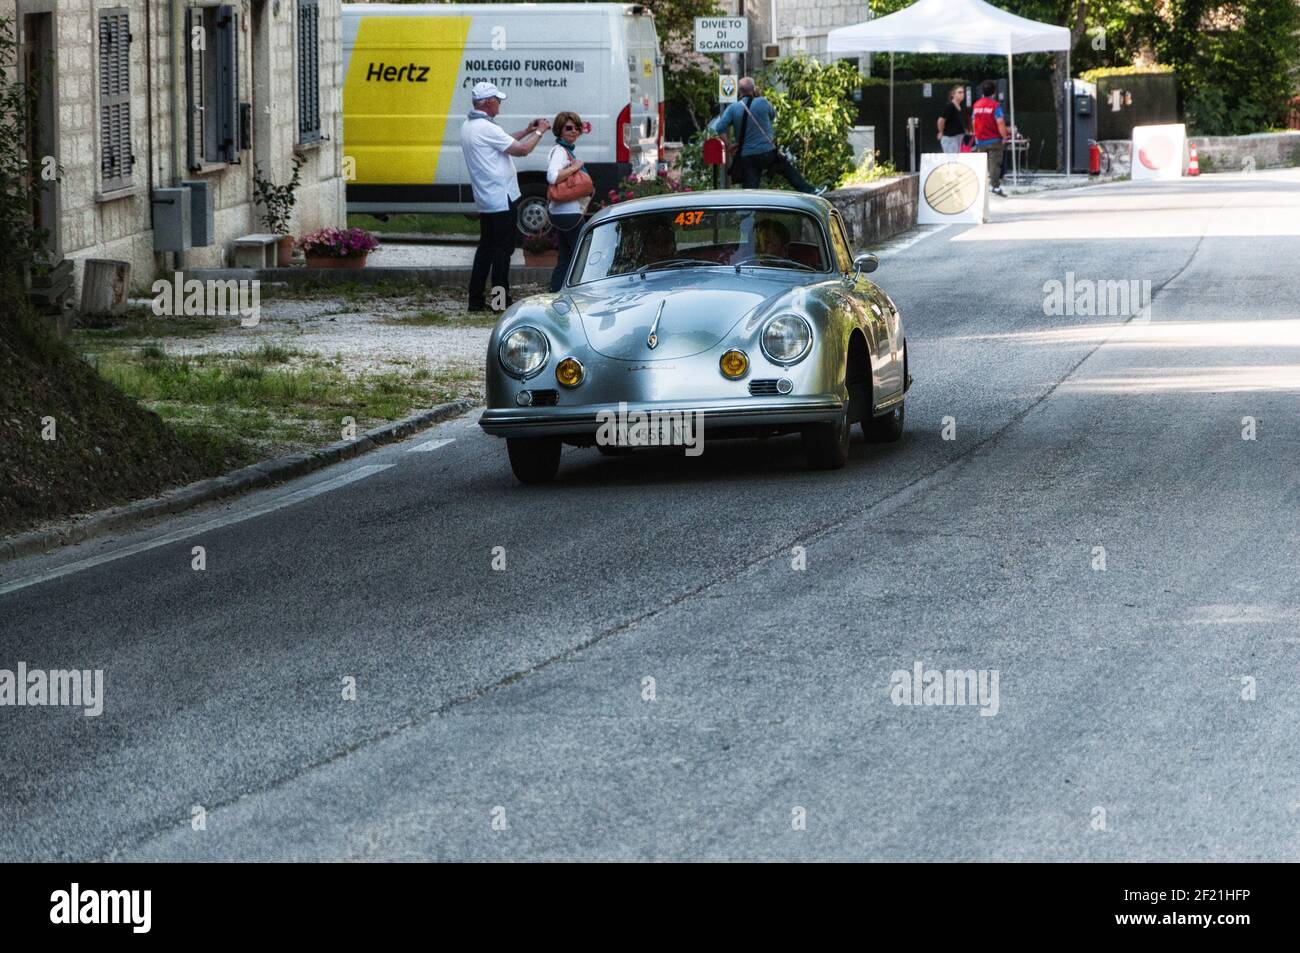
<point>700,238</point>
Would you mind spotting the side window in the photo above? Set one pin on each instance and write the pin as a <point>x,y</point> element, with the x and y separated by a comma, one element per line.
<point>308,71</point>
<point>115,155</point>
<point>211,84</point>
<point>843,257</point>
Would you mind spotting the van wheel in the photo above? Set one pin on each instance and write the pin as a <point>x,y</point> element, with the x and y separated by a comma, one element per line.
<point>534,459</point>
<point>530,214</point>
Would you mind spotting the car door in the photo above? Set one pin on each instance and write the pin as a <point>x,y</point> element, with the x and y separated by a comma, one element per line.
<point>876,311</point>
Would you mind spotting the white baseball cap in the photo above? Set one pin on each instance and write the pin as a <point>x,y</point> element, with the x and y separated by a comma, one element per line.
<point>487,91</point>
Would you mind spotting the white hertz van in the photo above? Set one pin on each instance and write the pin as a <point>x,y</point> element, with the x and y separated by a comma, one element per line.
<point>407,74</point>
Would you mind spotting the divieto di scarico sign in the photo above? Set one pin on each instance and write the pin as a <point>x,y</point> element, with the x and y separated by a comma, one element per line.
<point>721,34</point>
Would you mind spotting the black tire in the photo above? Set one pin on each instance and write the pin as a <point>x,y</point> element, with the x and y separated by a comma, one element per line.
<point>886,429</point>
<point>826,446</point>
<point>531,215</point>
<point>609,450</point>
<point>534,459</point>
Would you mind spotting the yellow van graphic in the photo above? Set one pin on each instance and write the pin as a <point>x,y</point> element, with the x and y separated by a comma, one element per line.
<point>401,76</point>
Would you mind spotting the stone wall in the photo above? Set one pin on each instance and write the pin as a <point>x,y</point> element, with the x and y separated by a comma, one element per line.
<point>92,224</point>
<point>877,211</point>
<point>1262,150</point>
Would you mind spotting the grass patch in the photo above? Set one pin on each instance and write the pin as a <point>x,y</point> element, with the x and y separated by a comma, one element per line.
<point>272,400</point>
<point>429,318</point>
<point>421,223</point>
<point>141,324</point>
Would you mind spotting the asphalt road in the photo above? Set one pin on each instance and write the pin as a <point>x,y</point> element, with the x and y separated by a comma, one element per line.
<point>518,694</point>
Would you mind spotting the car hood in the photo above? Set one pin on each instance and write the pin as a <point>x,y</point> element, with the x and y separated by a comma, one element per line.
<point>698,311</point>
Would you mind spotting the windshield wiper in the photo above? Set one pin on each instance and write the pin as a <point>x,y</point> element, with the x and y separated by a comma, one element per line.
<point>669,263</point>
<point>775,260</point>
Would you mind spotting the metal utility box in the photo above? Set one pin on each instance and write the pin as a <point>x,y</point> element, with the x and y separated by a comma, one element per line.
<point>202,228</point>
<point>1083,114</point>
<point>171,219</point>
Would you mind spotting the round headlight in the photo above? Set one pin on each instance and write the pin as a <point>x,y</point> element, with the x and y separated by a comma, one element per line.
<point>734,364</point>
<point>786,339</point>
<point>569,372</point>
<point>523,351</point>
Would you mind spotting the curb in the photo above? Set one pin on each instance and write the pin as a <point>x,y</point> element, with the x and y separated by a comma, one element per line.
<point>257,475</point>
<point>436,277</point>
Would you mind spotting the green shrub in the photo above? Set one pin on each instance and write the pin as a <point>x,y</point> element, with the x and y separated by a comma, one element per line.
<point>814,113</point>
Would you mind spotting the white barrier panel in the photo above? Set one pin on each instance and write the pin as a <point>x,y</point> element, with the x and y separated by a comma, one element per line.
<point>1159,151</point>
<point>954,188</point>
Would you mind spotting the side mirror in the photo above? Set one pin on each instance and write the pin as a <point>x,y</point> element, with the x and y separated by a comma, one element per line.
<point>865,264</point>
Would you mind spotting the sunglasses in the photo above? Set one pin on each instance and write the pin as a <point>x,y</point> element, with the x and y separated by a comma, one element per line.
<point>568,127</point>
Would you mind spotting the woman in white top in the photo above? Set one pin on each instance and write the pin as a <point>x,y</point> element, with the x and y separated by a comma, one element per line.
<point>565,216</point>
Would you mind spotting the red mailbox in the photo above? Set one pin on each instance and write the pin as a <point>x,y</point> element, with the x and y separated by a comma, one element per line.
<point>715,151</point>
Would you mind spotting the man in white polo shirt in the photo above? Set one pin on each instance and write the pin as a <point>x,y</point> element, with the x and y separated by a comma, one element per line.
<point>488,150</point>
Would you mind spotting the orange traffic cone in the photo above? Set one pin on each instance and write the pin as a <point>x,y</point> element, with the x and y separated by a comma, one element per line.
<point>1193,165</point>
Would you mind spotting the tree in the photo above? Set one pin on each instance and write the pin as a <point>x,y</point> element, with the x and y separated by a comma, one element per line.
<point>689,77</point>
<point>814,112</point>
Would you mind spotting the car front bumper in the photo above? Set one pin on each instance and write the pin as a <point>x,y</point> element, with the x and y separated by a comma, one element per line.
<point>586,420</point>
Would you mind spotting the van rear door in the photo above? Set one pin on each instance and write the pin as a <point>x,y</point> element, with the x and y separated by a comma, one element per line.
<point>644,133</point>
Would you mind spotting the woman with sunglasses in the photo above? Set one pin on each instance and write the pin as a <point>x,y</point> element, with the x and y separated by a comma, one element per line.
<point>566,217</point>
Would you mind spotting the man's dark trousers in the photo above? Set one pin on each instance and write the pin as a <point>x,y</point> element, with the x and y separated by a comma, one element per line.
<point>752,169</point>
<point>497,238</point>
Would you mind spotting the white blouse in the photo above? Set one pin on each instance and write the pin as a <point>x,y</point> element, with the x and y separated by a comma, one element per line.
<point>559,159</point>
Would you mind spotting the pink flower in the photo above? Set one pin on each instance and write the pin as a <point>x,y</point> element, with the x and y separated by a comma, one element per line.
<point>628,194</point>
<point>632,178</point>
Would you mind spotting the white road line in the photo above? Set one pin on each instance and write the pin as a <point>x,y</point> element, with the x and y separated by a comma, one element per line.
<point>430,445</point>
<point>218,522</point>
<point>913,239</point>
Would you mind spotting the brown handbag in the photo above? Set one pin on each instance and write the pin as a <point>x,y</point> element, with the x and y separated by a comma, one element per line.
<point>571,187</point>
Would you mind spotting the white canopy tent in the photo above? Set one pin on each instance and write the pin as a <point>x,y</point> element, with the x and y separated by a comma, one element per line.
<point>956,26</point>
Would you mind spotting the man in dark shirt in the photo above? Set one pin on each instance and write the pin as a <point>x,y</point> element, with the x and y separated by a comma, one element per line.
<point>952,124</point>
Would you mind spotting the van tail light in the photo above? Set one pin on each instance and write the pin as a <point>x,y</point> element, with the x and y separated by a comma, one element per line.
<point>661,128</point>
<point>622,146</point>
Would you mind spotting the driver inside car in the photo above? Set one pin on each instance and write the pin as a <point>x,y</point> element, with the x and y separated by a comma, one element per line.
<point>771,238</point>
<point>660,242</point>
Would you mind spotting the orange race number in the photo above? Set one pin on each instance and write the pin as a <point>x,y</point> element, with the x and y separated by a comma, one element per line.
<point>689,218</point>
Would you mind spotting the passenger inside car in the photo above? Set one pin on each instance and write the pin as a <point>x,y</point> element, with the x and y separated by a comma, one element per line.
<point>771,238</point>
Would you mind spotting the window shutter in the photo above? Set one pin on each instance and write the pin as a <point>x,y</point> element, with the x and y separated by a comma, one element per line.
<point>309,125</point>
<point>195,131</point>
<point>116,160</point>
<point>227,117</point>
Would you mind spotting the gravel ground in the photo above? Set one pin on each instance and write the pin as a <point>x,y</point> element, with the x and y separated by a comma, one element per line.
<point>367,333</point>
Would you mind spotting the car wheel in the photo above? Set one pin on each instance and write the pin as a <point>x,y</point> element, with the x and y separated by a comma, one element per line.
<point>826,446</point>
<point>888,428</point>
<point>534,459</point>
<point>884,429</point>
<point>531,214</point>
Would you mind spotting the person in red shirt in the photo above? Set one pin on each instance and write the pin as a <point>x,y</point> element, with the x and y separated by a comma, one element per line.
<point>989,128</point>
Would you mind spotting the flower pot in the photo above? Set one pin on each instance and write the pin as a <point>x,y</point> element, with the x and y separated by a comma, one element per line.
<point>329,261</point>
<point>284,251</point>
<point>541,259</point>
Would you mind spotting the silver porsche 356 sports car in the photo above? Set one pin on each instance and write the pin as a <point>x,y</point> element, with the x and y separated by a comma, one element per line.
<point>700,314</point>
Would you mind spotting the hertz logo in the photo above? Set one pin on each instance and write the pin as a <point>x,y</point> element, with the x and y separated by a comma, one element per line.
<point>395,74</point>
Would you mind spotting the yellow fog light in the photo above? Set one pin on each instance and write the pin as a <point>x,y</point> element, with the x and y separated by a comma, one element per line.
<point>734,364</point>
<point>569,372</point>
